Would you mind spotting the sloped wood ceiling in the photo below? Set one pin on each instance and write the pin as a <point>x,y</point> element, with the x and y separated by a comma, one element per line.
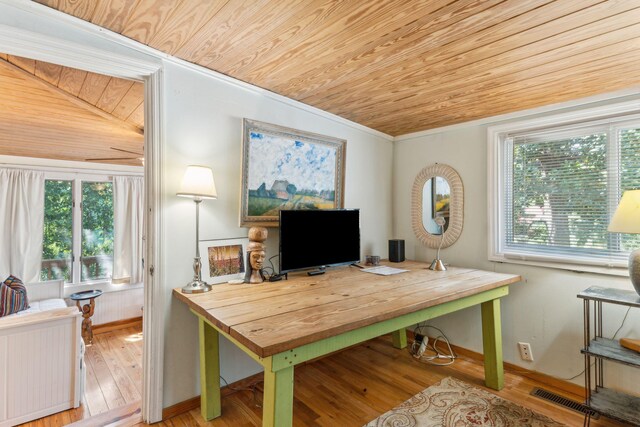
<point>40,120</point>
<point>395,65</point>
<point>120,98</point>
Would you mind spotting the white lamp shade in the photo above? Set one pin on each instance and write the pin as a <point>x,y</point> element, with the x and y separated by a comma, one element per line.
<point>197,182</point>
<point>626,218</point>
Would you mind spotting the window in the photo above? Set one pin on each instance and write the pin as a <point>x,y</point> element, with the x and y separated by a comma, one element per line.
<point>58,231</point>
<point>97,230</point>
<point>555,188</point>
<point>71,229</point>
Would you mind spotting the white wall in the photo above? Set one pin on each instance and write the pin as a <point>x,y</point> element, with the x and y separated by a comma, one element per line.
<point>203,124</point>
<point>543,309</point>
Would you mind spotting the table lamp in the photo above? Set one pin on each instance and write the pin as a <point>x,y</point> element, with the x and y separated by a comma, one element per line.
<point>626,219</point>
<point>198,184</point>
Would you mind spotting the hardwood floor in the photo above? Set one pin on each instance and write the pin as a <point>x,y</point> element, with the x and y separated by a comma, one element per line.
<point>345,389</point>
<point>114,376</point>
<point>357,385</point>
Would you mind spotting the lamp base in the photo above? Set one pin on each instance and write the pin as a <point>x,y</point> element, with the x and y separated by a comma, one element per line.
<point>634,269</point>
<point>437,265</point>
<point>196,287</point>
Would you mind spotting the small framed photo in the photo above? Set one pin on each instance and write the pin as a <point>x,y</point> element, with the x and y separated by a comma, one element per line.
<point>223,259</point>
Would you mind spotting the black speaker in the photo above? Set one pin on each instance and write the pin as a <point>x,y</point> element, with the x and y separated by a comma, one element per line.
<point>396,250</point>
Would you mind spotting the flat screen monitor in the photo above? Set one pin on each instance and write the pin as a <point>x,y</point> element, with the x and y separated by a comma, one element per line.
<point>318,238</point>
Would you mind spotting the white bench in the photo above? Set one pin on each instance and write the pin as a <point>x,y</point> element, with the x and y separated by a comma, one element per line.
<point>41,351</point>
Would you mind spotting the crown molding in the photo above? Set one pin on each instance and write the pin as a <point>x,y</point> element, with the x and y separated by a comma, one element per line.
<point>19,42</point>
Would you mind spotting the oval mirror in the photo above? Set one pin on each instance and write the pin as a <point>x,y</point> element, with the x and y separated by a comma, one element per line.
<point>436,195</point>
<point>437,205</point>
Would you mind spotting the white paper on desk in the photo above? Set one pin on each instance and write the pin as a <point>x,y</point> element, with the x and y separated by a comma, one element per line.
<point>383,270</point>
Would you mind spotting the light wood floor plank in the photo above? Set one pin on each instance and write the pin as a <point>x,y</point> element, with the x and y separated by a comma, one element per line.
<point>93,398</point>
<point>113,382</point>
<point>108,386</point>
<point>357,385</point>
<point>129,357</point>
<point>348,388</point>
<point>125,384</point>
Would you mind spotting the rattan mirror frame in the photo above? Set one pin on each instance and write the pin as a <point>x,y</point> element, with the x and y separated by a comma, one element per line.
<point>456,206</point>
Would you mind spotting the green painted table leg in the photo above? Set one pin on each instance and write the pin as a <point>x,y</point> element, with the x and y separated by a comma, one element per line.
<point>277,408</point>
<point>399,338</point>
<point>210,406</point>
<point>492,344</point>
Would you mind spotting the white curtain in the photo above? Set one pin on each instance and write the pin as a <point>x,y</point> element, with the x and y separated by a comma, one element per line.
<point>128,214</point>
<point>22,223</point>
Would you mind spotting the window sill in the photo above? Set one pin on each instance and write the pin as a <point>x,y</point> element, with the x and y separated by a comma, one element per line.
<point>105,286</point>
<point>576,268</point>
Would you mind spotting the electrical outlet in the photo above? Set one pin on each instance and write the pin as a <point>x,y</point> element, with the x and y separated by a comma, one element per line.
<point>525,351</point>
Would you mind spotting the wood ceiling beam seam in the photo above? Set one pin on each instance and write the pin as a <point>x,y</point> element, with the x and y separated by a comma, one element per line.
<point>29,65</point>
<point>71,80</point>
<point>48,72</point>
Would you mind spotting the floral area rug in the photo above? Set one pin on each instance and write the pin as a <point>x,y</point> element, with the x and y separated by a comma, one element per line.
<point>454,403</point>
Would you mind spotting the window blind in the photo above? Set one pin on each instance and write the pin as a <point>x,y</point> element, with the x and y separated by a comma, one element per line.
<point>561,187</point>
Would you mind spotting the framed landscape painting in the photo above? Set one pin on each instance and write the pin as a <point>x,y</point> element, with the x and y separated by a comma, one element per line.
<point>284,168</point>
<point>223,259</point>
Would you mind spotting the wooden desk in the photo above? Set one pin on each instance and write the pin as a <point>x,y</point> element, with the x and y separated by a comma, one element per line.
<point>283,324</point>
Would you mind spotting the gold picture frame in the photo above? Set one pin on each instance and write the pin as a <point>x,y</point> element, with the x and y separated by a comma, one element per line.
<point>284,168</point>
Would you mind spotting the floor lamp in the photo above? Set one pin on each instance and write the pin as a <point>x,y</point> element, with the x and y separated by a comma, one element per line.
<point>197,184</point>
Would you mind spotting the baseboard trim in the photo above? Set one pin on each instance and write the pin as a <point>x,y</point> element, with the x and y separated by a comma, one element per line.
<point>118,324</point>
<point>558,383</point>
<point>194,402</point>
<point>180,408</point>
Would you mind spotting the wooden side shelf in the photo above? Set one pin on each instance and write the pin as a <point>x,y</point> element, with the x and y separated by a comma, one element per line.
<point>612,350</point>
<point>617,405</point>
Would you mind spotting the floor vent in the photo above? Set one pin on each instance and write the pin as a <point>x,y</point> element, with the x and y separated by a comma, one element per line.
<point>563,401</point>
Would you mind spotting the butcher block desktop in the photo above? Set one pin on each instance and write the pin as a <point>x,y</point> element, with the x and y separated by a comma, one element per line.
<point>283,324</point>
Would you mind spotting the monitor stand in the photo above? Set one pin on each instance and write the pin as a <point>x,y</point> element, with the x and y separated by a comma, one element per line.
<point>317,272</point>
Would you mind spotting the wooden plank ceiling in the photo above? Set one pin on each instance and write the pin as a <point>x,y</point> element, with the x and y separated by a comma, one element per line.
<point>41,119</point>
<point>117,97</point>
<point>397,66</point>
